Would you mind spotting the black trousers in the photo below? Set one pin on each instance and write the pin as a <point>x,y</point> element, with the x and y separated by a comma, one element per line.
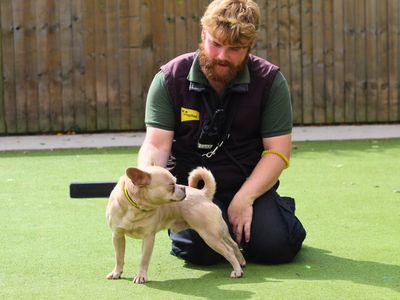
<point>276,233</point>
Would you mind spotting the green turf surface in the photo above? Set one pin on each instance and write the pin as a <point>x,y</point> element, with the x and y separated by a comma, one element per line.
<point>347,194</point>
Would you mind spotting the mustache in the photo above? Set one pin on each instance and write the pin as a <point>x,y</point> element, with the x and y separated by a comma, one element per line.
<point>222,62</point>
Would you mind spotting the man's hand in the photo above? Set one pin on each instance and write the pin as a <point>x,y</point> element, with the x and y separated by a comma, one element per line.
<point>240,213</point>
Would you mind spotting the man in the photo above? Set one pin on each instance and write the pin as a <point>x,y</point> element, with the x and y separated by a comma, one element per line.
<point>230,111</point>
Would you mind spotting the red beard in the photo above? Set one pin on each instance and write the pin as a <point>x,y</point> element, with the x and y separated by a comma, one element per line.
<point>208,67</point>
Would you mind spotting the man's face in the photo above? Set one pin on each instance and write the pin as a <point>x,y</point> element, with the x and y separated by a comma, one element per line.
<point>220,62</point>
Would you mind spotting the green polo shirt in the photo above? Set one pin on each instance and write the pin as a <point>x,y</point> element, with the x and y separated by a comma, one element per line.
<point>276,117</point>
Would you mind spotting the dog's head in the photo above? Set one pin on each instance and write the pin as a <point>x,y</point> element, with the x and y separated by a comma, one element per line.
<point>155,186</point>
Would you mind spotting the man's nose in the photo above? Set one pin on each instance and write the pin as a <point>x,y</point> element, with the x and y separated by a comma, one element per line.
<point>222,54</point>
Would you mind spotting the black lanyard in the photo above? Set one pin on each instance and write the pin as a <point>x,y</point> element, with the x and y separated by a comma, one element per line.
<point>225,131</point>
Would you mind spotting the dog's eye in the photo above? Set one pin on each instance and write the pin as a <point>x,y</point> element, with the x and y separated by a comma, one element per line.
<point>172,188</point>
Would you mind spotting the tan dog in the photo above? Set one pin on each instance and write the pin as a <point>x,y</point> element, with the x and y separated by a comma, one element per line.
<point>146,201</point>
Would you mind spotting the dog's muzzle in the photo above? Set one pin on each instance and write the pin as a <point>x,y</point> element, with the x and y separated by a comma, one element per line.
<point>180,192</point>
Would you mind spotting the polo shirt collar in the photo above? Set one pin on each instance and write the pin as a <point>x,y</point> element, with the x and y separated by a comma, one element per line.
<point>199,83</point>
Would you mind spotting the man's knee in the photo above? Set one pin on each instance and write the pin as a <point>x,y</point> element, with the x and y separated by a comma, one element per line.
<point>276,233</point>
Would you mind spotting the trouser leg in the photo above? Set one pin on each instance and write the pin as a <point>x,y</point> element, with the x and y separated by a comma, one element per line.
<point>276,233</point>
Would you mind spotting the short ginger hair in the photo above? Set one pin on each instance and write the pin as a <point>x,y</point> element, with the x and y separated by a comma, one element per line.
<point>232,22</point>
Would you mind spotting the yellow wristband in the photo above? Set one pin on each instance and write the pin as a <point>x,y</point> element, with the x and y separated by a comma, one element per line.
<point>281,155</point>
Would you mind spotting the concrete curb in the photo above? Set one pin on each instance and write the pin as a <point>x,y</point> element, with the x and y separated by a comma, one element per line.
<point>100,140</point>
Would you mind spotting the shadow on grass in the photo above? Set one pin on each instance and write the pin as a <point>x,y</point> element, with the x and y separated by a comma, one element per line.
<point>319,264</point>
<point>311,264</point>
<point>210,286</point>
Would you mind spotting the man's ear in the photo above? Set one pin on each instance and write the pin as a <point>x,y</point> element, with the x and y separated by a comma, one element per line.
<point>203,34</point>
<point>138,177</point>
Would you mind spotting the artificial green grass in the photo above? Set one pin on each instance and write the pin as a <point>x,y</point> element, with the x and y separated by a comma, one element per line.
<point>347,195</point>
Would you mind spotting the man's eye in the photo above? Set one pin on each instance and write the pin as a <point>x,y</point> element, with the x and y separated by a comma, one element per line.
<point>215,44</point>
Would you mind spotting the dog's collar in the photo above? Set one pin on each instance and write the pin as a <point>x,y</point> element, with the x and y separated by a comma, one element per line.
<point>130,200</point>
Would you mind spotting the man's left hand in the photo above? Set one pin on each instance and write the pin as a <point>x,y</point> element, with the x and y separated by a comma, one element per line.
<point>240,213</point>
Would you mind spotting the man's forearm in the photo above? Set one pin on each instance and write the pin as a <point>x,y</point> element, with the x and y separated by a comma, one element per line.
<point>263,178</point>
<point>149,155</point>
<point>156,148</point>
<point>268,169</point>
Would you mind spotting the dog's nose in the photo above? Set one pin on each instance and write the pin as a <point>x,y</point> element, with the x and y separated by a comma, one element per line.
<point>183,190</point>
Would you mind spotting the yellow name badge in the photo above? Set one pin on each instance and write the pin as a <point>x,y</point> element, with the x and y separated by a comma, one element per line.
<point>189,115</point>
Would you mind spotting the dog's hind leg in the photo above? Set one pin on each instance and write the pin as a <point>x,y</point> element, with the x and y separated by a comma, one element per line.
<point>119,249</point>
<point>235,248</point>
<point>218,244</point>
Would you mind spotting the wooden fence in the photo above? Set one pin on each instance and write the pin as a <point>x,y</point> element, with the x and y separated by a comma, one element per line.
<point>85,65</point>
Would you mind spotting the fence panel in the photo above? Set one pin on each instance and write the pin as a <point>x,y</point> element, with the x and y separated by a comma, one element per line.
<point>7,96</point>
<point>86,65</point>
<point>394,59</point>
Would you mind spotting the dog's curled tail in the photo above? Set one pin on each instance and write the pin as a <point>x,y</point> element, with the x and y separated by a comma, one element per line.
<point>207,177</point>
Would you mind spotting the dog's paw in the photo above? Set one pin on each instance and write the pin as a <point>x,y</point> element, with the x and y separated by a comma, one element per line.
<point>140,279</point>
<point>236,274</point>
<point>114,275</point>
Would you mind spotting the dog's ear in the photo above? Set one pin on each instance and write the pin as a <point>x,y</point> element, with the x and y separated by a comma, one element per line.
<point>138,177</point>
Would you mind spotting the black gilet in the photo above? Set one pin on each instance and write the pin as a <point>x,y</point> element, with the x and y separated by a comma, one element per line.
<point>235,160</point>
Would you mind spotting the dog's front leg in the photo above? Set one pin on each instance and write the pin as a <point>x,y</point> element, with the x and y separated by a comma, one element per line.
<point>147,250</point>
<point>119,249</point>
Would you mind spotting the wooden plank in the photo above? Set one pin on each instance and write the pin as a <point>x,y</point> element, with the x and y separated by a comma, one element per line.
<point>32,105</point>
<point>55,68</point>
<point>360,66</point>
<point>193,26</point>
<point>112,67</point>
<point>135,21</point>
<point>394,60</point>
<point>349,59</point>
<point>329,61</point>
<point>339,67</point>
<point>124,60</point>
<point>144,62</point>
<point>161,43</point>
<point>295,59</point>
<point>169,31</point>
<point>383,70</point>
<point>148,65</point>
<point>8,69</point>
<point>181,35</point>
<point>20,63</point>
<point>273,32</point>
<point>136,94</point>
<point>261,42</point>
<point>44,12</point>
<point>318,63</point>
<point>284,38</point>
<point>3,127</point>
<point>203,6</point>
<point>90,64</point>
<point>372,92</point>
<point>307,70</point>
<point>78,64</point>
<point>101,65</point>
<point>66,65</point>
